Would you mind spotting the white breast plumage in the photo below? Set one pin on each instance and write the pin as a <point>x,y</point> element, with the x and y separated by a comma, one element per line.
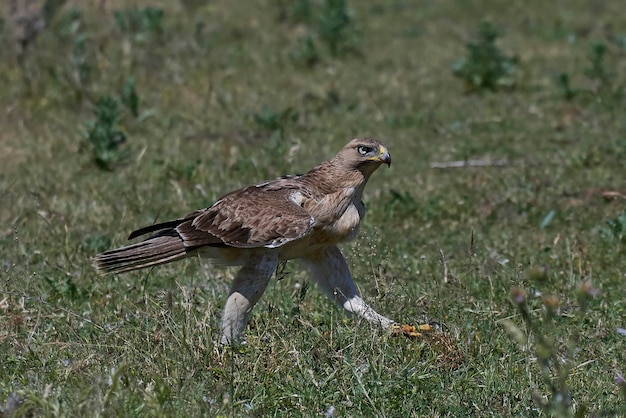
<point>347,227</point>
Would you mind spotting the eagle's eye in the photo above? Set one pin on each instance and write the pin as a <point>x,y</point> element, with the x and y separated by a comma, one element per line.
<point>362,149</point>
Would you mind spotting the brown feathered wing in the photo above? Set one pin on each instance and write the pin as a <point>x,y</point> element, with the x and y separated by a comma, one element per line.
<point>257,216</point>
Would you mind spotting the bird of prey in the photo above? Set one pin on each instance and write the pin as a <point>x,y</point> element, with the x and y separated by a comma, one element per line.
<point>293,217</point>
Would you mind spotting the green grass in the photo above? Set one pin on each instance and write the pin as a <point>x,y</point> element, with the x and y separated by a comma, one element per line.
<point>218,103</point>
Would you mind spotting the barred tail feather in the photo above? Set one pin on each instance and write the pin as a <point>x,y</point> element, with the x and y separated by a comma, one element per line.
<point>151,252</point>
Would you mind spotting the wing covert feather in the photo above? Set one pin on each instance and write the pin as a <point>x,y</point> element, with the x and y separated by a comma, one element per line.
<point>255,216</point>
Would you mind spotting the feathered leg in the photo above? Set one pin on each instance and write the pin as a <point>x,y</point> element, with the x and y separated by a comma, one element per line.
<point>330,271</point>
<point>246,290</point>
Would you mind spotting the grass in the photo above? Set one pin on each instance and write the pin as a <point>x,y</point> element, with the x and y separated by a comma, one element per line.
<point>500,256</point>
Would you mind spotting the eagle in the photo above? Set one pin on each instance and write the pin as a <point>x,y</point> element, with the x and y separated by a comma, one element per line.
<point>258,227</point>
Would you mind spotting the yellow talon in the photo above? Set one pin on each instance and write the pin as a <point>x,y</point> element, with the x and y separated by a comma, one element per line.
<point>409,330</point>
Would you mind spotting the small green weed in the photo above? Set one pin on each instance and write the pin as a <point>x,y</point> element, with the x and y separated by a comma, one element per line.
<point>65,287</point>
<point>597,70</point>
<point>93,244</point>
<point>401,205</point>
<point>104,136</point>
<point>69,23</point>
<point>615,229</point>
<point>305,53</point>
<point>129,96</point>
<point>564,87</point>
<point>486,67</point>
<point>142,23</point>
<point>298,11</point>
<point>79,59</point>
<point>51,8</point>
<point>337,28</point>
<point>620,148</point>
<point>201,36</point>
<point>77,71</point>
<point>275,121</point>
<point>331,22</point>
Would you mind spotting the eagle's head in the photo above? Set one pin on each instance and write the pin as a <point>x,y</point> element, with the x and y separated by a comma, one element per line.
<point>365,155</point>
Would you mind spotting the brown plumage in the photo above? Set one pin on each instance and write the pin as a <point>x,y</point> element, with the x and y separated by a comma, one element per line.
<point>301,216</point>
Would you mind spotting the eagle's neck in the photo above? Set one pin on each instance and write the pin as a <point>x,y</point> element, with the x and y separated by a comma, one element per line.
<point>330,177</point>
<point>336,206</point>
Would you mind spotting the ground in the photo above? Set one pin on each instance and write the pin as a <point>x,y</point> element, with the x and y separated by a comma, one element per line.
<point>517,259</point>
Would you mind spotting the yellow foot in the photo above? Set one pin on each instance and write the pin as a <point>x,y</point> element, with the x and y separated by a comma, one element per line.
<point>410,330</point>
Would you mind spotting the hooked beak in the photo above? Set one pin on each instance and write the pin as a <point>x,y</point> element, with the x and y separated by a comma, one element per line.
<point>384,156</point>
